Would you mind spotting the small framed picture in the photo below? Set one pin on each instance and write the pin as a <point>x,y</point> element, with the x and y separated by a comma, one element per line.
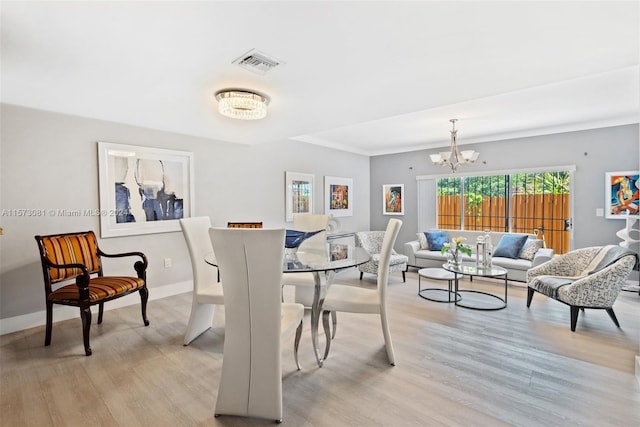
<point>299,194</point>
<point>621,194</point>
<point>393,199</point>
<point>338,195</point>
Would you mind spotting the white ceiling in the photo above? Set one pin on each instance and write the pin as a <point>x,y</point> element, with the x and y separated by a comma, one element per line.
<point>366,77</point>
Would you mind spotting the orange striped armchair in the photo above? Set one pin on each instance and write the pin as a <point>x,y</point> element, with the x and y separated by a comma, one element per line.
<point>76,256</point>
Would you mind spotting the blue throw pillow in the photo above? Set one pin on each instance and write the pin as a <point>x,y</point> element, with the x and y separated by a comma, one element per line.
<point>510,245</point>
<point>436,239</point>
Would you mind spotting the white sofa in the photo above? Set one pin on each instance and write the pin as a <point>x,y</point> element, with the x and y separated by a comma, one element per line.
<point>517,267</point>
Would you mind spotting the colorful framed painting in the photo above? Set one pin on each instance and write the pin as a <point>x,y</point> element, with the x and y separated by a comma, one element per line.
<point>143,190</point>
<point>338,195</point>
<point>393,199</point>
<point>622,194</point>
<point>299,194</point>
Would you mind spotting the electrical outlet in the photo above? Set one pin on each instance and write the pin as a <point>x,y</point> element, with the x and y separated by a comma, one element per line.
<point>167,263</point>
<point>599,212</point>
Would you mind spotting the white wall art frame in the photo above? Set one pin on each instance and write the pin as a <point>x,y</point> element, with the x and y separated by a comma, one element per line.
<point>338,196</point>
<point>393,199</point>
<point>143,190</point>
<point>299,194</point>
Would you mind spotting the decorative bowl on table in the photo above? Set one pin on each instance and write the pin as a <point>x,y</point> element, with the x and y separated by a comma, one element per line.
<point>294,238</point>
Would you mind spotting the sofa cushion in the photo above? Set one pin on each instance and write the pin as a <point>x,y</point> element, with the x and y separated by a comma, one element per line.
<point>510,245</point>
<point>530,248</point>
<point>436,239</point>
<point>512,263</point>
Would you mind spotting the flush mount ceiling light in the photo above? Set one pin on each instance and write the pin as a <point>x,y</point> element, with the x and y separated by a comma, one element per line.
<point>454,157</point>
<point>242,104</point>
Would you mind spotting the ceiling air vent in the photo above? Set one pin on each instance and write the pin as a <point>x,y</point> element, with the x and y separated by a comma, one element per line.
<point>257,61</point>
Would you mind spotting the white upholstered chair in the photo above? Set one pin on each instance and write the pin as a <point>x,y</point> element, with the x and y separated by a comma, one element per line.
<point>250,263</point>
<point>207,290</point>
<point>354,299</point>
<point>304,282</point>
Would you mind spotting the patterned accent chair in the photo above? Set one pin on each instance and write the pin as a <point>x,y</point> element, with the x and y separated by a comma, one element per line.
<point>585,278</point>
<point>371,241</point>
<point>77,256</point>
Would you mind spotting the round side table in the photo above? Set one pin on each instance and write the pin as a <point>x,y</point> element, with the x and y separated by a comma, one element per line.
<point>431,294</point>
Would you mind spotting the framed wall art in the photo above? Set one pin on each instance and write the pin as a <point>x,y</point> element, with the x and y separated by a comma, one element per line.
<point>143,190</point>
<point>393,199</point>
<point>621,194</point>
<point>299,194</point>
<point>338,195</point>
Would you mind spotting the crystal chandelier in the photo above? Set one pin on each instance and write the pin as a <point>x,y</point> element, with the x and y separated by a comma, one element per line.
<point>454,157</point>
<point>242,104</point>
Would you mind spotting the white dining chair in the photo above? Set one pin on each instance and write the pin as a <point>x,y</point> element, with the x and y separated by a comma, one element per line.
<point>304,283</point>
<point>250,263</point>
<point>355,299</point>
<point>207,290</point>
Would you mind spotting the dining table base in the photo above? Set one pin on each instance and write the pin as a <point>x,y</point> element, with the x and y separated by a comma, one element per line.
<point>321,278</point>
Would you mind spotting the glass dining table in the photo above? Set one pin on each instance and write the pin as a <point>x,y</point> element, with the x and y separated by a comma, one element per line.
<point>323,264</point>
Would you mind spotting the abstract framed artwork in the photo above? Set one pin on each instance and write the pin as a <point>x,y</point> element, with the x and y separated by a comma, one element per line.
<point>299,194</point>
<point>143,190</point>
<point>338,195</point>
<point>622,194</point>
<point>393,199</point>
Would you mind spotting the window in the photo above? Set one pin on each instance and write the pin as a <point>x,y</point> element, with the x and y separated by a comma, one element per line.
<point>518,202</point>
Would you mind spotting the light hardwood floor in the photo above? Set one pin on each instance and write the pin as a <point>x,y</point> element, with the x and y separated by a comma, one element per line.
<point>455,367</point>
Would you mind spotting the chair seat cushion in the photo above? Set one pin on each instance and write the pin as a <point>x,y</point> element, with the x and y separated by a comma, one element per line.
<point>353,299</point>
<point>394,260</point>
<point>549,285</point>
<point>100,288</point>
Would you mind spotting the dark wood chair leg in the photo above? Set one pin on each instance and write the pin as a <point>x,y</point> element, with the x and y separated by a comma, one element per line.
<point>574,317</point>
<point>613,317</point>
<point>85,315</point>
<point>361,273</point>
<point>100,311</point>
<point>144,296</point>
<point>404,279</point>
<point>530,292</point>
<point>47,334</point>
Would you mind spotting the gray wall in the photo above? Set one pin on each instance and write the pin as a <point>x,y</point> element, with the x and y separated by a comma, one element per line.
<point>50,160</point>
<point>594,152</point>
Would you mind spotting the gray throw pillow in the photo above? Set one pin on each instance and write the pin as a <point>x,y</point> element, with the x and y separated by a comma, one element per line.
<point>510,245</point>
<point>422,239</point>
<point>530,248</point>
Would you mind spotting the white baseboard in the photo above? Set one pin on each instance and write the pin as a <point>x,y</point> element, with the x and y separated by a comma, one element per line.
<point>60,313</point>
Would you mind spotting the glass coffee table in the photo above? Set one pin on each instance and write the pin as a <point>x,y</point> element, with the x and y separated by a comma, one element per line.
<point>471,269</point>
<point>432,294</point>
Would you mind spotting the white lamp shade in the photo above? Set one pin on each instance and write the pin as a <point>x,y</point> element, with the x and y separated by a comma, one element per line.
<point>469,156</point>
